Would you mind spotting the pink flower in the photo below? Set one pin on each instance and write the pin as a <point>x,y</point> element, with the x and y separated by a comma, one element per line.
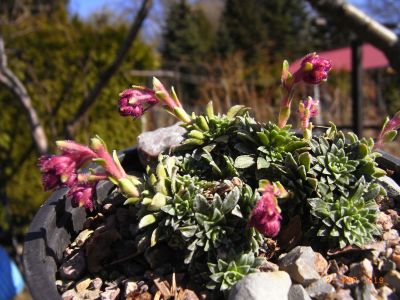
<point>307,109</point>
<point>108,163</point>
<point>388,131</point>
<point>266,217</point>
<point>82,195</point>
<point>57,170</point>
<point>314,69</point>
<point>80,153</point>
<point>61,170</point>
<point>134,102</point>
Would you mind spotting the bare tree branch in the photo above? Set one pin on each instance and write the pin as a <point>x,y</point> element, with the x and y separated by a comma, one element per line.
<point>105,76</point>
<point>11,81</point>
<point>351,18</point>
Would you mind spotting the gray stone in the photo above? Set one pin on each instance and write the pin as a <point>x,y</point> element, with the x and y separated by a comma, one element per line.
<point>73,268</point>
<point>151,144</point>
<point>385,265</point>
<point>391,187</point>
<point>361,269</point>
<point>300,263</point>
<point>365,290</point>
<point>385,293</point>
<point>341,294</point>
<point>268,266</point>
<point>392,234</point>
<point>319,289</point>
<point>393,279</point>
<point>262,286</point>
<point>297,292</point>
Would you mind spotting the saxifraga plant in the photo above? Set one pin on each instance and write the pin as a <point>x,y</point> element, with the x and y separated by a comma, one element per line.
<point>214,198</point>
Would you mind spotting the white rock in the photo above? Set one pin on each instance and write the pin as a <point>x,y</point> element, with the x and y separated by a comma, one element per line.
<point>360,269</point>
<point>319,289</point>
<point>297,292</point>
<point>302,265</point>
<point>262,286</point>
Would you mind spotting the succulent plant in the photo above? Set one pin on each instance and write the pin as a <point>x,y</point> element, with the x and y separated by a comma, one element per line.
<point>224,274</point>
<point>347,220</point>
<point>203,199</point>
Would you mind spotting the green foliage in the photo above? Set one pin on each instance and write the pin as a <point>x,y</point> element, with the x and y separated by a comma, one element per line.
<point>347,220</point>
<point>59,59</point>
<point>187,36</point>
<point>199,199</point>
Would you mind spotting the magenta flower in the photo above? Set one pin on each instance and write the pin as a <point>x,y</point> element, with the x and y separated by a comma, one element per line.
<point>314,69</point>
<point>82,195</point>
<point>112,168</point>
<point>389,130</point>
<point>307,109</point>
<point>266,217</point>
<point>134,102</point>
<point>57,170</point>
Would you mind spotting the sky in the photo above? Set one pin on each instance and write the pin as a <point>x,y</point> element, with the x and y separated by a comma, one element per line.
<point>85,7</point>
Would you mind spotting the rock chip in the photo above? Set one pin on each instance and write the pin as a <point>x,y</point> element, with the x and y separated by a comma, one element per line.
<point>393,279</point>
<point>384,221</point>
<point>365,290</point>
<point>151,144</point>
<point>268,266</point>
<point>110,294</point>
<point>73,268</point>
<point>386,293</point>
<point>392,234</point>
<point>301,265</point>
<point>340,294</point>
<point>130,287</point>
<point>321,265</point>
<point>82,285</point>
<point>96,284</point>
<point>319,289</point>
<point>396,259</point>
<point>82,237</point>
<point>69,295</point>
<point>361,269</point>
<point>391,187</point>
<point>297,292</point>
<point>262,286</point>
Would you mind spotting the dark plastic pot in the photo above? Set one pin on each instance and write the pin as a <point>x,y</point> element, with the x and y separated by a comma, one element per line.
<point>56,223</point>
<point>51,231</point>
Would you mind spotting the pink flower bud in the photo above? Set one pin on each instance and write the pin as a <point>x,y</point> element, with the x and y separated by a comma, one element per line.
<point>80,153</point>
<point>57,170</point>
<point>307,109</point>
<point>82,195</point>
<point>314,69</point>
<point>134,102</point>
<point>265,216</point>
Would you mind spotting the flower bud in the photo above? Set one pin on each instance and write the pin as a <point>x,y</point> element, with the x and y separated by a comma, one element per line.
<point>265,216</point>
<point>314,69</point>
<point>128,187</point>
<point>134,102</point>
<point>82,195</point>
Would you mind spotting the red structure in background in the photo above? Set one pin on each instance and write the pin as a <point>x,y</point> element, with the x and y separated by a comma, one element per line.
<point>372,58</point>
<point>355,59</point>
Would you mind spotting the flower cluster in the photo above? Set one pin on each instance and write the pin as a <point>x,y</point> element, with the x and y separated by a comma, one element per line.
<point>266,217</point>
<point>65,170</point>
<point>313,70</point>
